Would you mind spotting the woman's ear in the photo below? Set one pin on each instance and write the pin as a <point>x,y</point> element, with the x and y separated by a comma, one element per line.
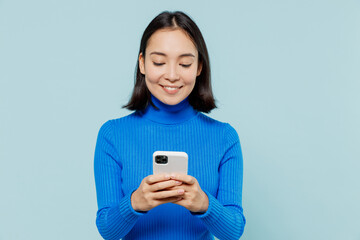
<point>199,69</point>
<point>142,63</point>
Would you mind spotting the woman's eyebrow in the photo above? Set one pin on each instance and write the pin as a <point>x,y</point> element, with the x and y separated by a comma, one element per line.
<point>182,55</point>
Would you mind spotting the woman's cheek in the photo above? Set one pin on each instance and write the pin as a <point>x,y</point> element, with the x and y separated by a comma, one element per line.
<point>153,75</point>
<point>190,77</point>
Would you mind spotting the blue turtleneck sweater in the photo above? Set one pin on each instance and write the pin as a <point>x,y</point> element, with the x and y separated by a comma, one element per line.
<point>123,157</point>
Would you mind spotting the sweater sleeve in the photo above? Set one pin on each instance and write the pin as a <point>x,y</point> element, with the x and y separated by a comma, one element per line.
<point>115,216</point>
<point>224,217</point>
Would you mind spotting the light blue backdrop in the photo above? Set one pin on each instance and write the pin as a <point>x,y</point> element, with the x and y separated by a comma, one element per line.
<point>285,74</point>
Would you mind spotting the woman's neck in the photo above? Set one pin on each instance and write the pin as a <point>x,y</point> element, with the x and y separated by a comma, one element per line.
<point>169,114</point>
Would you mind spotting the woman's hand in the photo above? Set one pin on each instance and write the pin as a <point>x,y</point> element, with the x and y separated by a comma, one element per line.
<point>194,198</point>
<point>155,190</point>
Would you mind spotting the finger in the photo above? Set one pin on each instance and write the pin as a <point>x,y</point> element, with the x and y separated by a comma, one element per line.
<point>164,185</point>
<point>181,202</point>
<point>183,177</point>
<point>151,179</point>
<point>167,194</point>
<point>186,187</point>
<point>157,202</point>
<point>170,199</point>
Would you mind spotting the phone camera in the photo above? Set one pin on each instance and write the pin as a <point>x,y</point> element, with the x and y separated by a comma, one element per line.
<point>161,159</point>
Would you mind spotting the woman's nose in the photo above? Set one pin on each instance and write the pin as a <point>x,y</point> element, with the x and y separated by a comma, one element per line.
<point>172,73</point>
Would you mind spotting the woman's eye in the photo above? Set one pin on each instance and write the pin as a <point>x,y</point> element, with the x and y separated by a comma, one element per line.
<point>158,64</point>
<point>185,65</point>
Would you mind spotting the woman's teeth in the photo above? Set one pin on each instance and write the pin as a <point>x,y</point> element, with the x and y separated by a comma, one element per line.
<point>170,88</point>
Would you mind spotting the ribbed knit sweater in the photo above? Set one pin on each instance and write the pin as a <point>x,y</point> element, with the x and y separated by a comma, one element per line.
<point>123,157</point>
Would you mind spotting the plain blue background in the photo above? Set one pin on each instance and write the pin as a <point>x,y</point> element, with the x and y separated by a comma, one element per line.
<point>285,75</point>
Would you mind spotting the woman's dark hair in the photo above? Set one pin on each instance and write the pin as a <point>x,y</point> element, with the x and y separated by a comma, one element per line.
<point>201,98</point>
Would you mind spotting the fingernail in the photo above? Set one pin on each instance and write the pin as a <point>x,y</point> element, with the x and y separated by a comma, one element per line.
<point>178,183</point>
<point>167,176</point>
<point>181,191</point>
<point>172,175</point>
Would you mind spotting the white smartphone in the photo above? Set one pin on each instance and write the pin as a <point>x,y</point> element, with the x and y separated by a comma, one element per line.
<point>169,162</point>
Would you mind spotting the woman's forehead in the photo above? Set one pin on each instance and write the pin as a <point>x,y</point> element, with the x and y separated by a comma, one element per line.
<point>169,43</point>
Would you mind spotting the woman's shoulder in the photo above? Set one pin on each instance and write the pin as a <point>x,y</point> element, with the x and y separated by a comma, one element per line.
<point>123,121</point>
<point>212,121</point>
<point>223,126</point>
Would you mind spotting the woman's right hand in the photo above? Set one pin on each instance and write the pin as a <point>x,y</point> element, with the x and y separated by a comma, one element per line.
<point>155,190</point>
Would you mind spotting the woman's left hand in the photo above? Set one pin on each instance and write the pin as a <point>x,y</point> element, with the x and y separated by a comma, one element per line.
<point>194,198</point>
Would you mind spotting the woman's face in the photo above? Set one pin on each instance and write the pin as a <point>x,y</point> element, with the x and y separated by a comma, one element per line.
<point>170,65</point>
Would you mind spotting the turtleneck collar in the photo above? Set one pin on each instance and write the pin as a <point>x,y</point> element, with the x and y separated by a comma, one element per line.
<point>169,114</point>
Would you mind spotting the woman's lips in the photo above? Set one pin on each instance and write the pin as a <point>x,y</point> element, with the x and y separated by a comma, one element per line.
<point>171,90</point>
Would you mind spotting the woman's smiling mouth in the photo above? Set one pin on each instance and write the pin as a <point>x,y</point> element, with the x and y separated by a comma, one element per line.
<point>171,89</point>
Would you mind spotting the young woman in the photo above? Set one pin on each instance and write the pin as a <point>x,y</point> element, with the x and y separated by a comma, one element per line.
<point>172,89</point>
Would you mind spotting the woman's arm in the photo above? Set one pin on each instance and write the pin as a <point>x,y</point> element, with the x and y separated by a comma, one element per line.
<point>224,217</point>
<point>115,216</point>
<point>223,214</point>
